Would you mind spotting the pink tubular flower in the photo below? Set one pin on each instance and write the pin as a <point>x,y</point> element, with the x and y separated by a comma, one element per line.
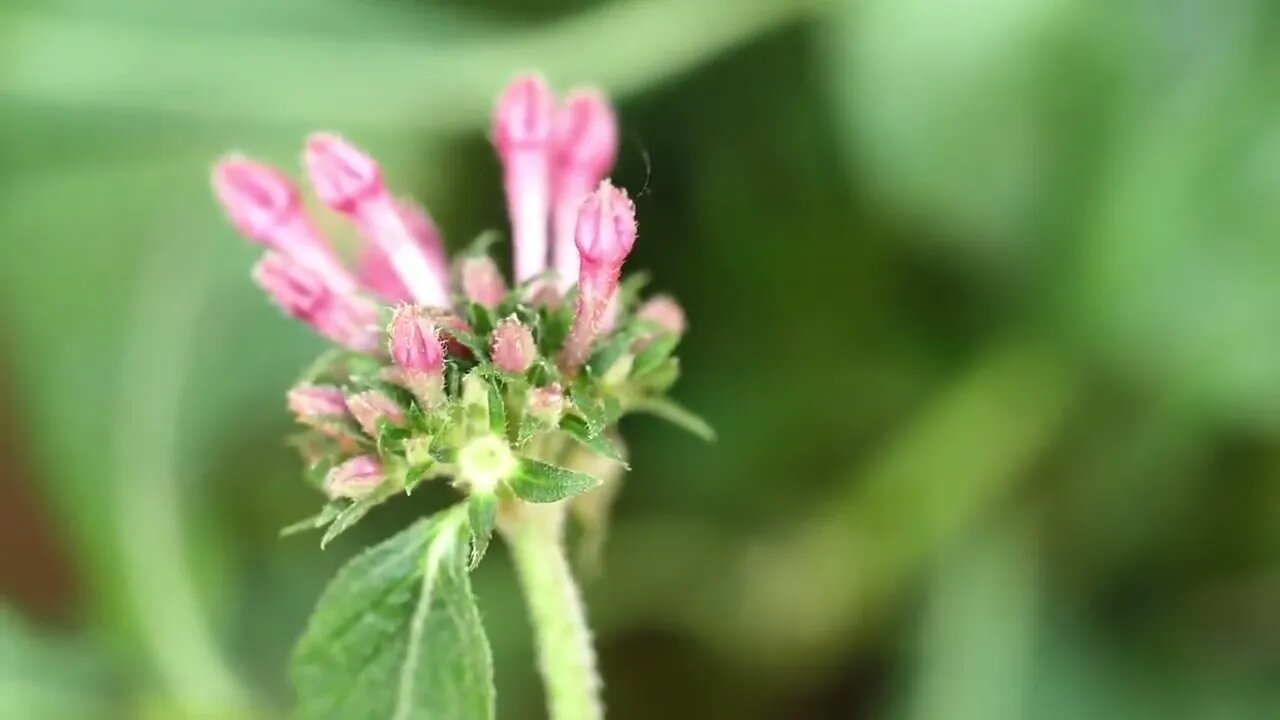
<point>370,408</point>
<point>513,347</point>
<point>416,349</point>
<point>264,206</point>
<point>481,281</point>
<point>349,181</point>
<point>354,478</point>
<point>606,232</point>
<point>522,135</point>
<point>342,317</point>
<point>586,145</point>
<point>316,404</point>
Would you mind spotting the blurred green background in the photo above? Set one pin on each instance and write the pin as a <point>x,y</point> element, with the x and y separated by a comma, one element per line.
<point>983,298</point>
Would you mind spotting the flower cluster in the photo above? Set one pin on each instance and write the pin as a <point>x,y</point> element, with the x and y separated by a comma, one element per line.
<point>444,370</point>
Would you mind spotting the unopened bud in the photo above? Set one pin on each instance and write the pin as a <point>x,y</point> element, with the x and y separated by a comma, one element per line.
<point>545,404</point>
<point>371,408</point>
<point>316,405</point>
<point>414,341</point>
<point>606,232</point>
<point>354,478</point>
<point>482,282</point>
<point>513,348</point>
<point>664,312</point>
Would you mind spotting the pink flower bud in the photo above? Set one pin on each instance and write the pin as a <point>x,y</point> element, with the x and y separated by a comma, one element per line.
<point>316,405</point>
<point>343,318</point>
<point>546,404</point>
<point>522,126</point>
<point>606,230</point>
<point>513,348</point>
<point>371,407</point>
<point>354,478</point>
<point>415,341</point>
<point>264,206</point>
<point>586,145</point>
<point>543,293</point>
<point>482,282</point>
<point>665,312</point>
<point>605,235</point>
<point>349,181</point>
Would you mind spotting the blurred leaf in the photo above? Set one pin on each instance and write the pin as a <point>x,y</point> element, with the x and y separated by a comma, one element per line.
<point>677,415</point>
<point>397,633</point>
<point>44,678</point>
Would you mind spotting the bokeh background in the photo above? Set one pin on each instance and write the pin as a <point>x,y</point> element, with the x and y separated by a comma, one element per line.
<point>984,299</point>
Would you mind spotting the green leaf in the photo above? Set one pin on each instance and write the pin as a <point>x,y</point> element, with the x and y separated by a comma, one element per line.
<point>355,512</point>
<point>482,515</point>
<point>677,415</point>
<point>397,634</point>
<point>652,357</point>
<point>326,515</point>
<point>576,427</point>
<point>539,482</point>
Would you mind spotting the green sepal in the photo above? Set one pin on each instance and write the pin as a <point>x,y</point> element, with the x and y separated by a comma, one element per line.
<point>497,409</point>
<point>552,328</point>
<point>611,351</point>
<point>391,438</point>
<point>415,474</point>
<point>480,319</point>
<point>538,482</point>
<point>675,414</point>
<point>593,411</point>
<point>469,340</point>
<point>482,515</point>
<point>600,444</point>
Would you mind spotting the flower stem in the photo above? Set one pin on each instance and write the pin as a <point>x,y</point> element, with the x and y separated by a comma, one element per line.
<point>566,658</point>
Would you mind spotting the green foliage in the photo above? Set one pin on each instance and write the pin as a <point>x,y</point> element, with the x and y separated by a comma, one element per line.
<point>540,482</point>
<point>397,633</point>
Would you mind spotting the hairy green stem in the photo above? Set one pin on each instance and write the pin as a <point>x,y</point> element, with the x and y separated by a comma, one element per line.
<point>566,657</point>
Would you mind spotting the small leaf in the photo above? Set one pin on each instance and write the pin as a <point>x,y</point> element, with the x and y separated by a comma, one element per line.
<point>354,512</point>
<point>497,410</point>
<point>391,437</point>
<point>468,339</point>
<point>397,633</point>
<point>593,412</point>
<point>576,427</point>
<point>676,415</point>
<point>326,515</point>
<point>629,291</point>
<point>659,379</point>
<point>481,319</point>
<point>658,352</point>
<point>482,514</point>
<point>612,350</point>
<point>539,482</point>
